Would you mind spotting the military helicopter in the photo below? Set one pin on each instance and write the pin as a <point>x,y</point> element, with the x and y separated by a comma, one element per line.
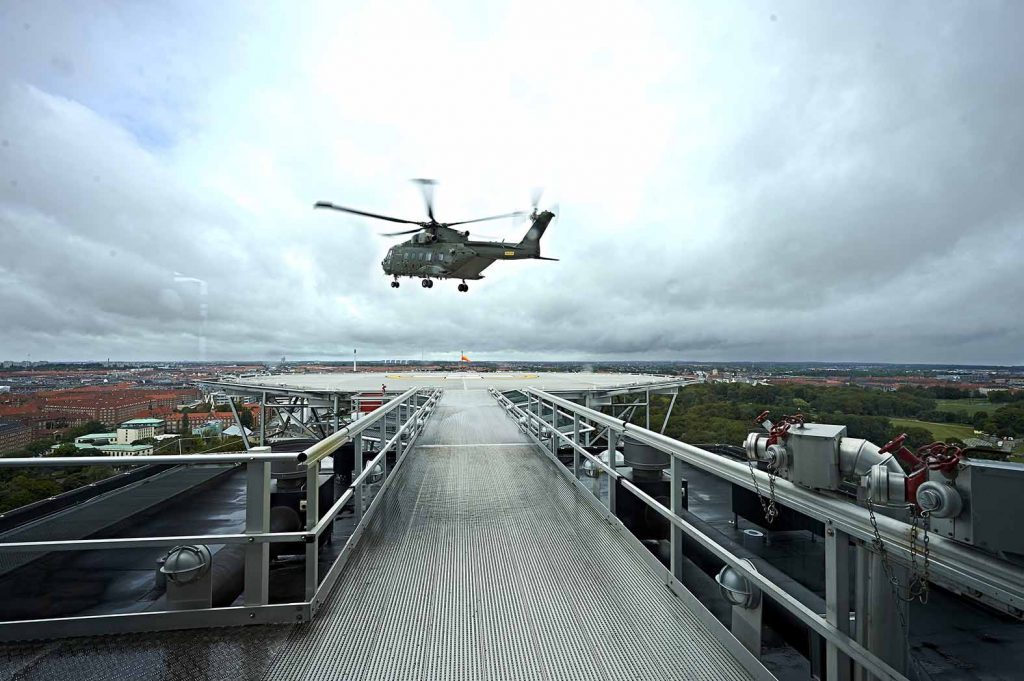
<point>436,251</point>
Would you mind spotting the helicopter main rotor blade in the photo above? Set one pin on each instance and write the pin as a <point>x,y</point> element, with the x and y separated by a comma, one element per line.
<point>332,206</point>
<point>408,231</point>
<point>427,187</point>
<point>493,217</point>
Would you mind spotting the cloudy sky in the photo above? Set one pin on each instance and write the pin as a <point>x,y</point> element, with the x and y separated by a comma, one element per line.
<point>736,181</point>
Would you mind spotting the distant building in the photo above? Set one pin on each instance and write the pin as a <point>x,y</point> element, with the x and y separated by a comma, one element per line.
<point>233,431</point>
<point>14,435</point>
<point>110,403</point>
<point>96,439</point>
<point>137,429</point>
<point>112,450</point>
<point>126,450</point>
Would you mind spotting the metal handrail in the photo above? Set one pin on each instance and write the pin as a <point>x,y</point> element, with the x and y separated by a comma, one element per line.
<point>324,447</point>
<point>258,462</point>
<point>368,467</point>
<point>183,459</point>
<point>310,455</point>
<point>140,542</point>
<point>999,580</point>
<point>814,621</point>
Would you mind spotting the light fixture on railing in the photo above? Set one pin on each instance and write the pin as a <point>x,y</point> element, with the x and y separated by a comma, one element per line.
<point>737,589</point>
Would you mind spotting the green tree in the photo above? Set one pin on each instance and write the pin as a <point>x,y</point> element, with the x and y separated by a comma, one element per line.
<point>245,416</point>
<point>918,437</point>
<point>24,489</point>
<point>186,424</point>
<point>67,449</point>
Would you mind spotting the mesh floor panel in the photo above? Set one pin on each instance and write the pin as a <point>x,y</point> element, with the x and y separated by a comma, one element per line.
<point>484,563</point>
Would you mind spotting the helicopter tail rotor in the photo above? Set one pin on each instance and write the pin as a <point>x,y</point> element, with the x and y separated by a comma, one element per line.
<point>535,197</point>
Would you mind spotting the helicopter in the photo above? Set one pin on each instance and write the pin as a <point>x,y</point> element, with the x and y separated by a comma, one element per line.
<point>437,251</point>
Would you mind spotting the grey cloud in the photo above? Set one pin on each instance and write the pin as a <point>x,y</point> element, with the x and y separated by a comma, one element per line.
<point>844,183</point>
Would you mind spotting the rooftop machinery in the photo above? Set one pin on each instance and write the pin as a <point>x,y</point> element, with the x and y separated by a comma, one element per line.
<point>972,501</point>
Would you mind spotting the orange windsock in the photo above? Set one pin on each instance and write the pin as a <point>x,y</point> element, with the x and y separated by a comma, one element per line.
<point>466,359</point>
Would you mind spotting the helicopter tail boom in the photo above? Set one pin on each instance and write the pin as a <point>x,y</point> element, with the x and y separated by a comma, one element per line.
<point>531,242</point>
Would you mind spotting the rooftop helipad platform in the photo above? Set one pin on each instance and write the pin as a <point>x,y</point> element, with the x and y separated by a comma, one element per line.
<point>460,380</point>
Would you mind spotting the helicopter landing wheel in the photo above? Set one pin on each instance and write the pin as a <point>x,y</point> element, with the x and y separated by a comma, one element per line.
<point>395,284</point>
<point>427,283</point>
<point>463,287</point>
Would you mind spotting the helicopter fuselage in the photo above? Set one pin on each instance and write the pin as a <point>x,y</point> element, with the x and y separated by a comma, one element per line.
<point>446,253</point>
<point>448,261</point>
<point>437,251</point>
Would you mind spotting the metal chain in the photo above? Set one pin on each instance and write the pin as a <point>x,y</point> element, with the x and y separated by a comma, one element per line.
<point>918,587</point>
<point>769,508</point>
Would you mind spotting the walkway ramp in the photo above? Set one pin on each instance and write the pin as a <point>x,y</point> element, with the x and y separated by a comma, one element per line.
<point>483,562</point>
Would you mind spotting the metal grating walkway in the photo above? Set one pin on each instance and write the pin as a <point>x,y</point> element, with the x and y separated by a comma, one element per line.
<point>484,563</point>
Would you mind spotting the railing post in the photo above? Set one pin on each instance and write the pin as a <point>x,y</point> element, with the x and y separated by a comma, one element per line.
<point>257,520</point>
<point>677,502</point>
<point>576,441</point>
<point>554,430</point>
<point>312,517</point>
<point>538,407</point>
<point>613,439</point>
<point>263,419</point>
<point>837,598</point>
<point>357,493</point>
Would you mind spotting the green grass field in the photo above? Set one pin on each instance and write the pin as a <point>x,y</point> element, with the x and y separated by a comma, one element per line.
<point>966,406</point>
<point>940,431</point>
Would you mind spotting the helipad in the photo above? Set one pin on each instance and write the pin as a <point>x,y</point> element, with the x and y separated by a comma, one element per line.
<point>467,380</point>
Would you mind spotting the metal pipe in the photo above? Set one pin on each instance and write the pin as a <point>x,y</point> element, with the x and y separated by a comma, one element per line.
<point>668,414</point>
<point>238,422</point>
<point>857,456</point>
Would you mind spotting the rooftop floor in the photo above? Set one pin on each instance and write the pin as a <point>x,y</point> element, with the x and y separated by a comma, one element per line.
<point>481,562</point>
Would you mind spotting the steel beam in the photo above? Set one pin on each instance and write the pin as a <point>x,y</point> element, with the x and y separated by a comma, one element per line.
<point>257,520</point>
<point>837,598</point>
<point>668,414</point>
